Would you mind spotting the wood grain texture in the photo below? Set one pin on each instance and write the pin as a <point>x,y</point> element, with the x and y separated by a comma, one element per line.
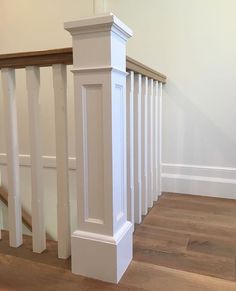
<point>191,233</point>
<point>165,259</point>
<point>64,56</point>
<point>20,269</point>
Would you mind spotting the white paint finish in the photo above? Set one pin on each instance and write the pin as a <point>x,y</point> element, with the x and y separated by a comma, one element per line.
<point>199,180</point>
<point>100,112</point>
<point>199,170</point>
<point>199,185</point>
<point>99,6</point>
<point>37,200</point>
<point>14,199</point>
<point>63,206</point>
<point>92,102</point>
<point>99,24</point>
<point>93,36</point>
<point>156,166</point>
<point>102,257</point>
<point>150,142</point>
<point>151,92</point>
<point>119,155</point>
<point>130,146</point>
<point>160,138</point>
<point>137,119</point>
<point>144,145</point>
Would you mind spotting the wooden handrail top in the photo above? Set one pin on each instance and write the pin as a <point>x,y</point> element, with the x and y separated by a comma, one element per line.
<point>48,58</point>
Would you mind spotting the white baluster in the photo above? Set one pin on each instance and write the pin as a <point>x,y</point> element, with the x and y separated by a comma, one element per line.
<point>37,202</point>
<point>63,205</point>
<point>130,146</point>
<point>156,141</point>
<point>144,145</point>
<point>160,138</point>
<point>102,245</point>
<point>150,144</point>
<point>14,199</point>
<point>137,149</point>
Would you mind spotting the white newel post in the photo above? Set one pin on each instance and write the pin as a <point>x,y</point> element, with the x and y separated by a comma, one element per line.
<point>102,245</point>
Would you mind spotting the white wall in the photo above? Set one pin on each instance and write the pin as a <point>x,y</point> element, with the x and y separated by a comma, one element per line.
<point>192,41</point>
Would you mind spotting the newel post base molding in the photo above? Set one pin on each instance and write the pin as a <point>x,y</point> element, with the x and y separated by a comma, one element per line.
<point>102,247</point>
<point>102,257</point>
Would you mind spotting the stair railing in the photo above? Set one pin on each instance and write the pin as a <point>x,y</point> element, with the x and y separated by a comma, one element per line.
<point>118,104</point>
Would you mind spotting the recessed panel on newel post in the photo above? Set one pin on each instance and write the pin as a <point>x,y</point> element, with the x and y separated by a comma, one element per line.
<point>102,245</point>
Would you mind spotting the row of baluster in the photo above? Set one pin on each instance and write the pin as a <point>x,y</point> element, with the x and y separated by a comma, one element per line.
<point>144,114</point>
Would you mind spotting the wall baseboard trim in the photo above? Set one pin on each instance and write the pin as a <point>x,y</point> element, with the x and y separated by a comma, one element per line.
<point>199,180</point>
<point>48,161</point>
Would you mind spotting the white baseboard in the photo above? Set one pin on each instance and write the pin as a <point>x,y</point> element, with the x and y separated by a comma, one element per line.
<point>199,180</point>
<point>48,161</point>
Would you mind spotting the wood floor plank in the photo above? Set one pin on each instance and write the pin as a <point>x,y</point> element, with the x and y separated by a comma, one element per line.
<point>196,216</point>
<point>228,210</point>
<point>198,198</point>
<point>35,276</point>
<point>212,246</point>
<point>159,278</point>
<point>154,238</point>
<point>219,267</point>
<point>23,275</point>
<point>190,226</point>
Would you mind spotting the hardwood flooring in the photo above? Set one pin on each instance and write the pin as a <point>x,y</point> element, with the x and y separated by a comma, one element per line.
<point>185,243</point>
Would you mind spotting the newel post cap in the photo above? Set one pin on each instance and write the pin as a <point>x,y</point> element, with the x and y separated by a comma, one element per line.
<point>100,23</point>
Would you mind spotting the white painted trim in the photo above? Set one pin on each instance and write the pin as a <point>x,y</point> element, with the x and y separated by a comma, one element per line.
<point>104,238</point>
<point>199,180</point>
<point>48,161</point>
<point>199,170</point>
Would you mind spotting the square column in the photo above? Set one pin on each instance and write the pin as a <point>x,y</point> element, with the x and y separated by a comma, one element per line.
<point>102,247</point>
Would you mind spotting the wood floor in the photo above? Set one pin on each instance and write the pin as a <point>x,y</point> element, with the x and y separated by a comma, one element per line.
<point>185,243</point>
